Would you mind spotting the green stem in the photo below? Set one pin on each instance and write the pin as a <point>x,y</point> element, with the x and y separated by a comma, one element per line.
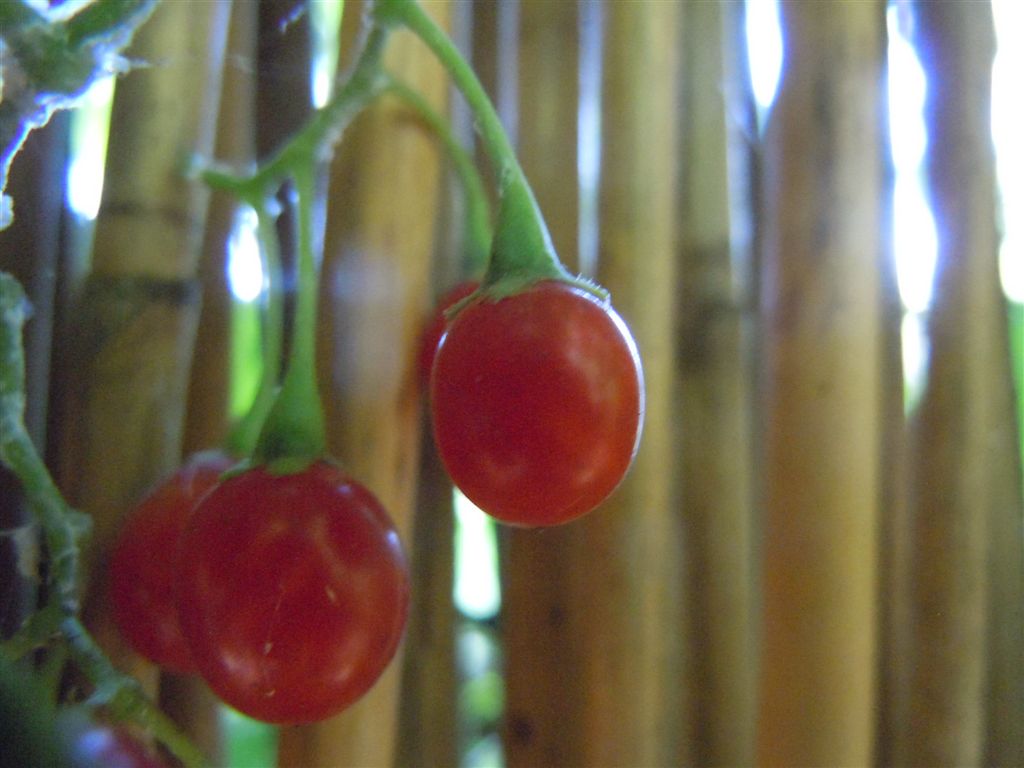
<point>477,235</point>
<point>294,433</point>
<point>522,252</point>
<point>318,136</point>
<point>408,13</point>
<point>61,525</point>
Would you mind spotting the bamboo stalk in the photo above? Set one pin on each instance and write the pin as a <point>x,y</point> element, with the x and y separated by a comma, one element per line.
<point>427,722</point>
<point>541,724</point>
<point>964,502</point>
<point>135,320</point>
<point>624,562</point>
<point>188,699</point>
<point>207,418</point>
<point>715,412</point>
<point>428,710</point>
<point>821,401</point>
<point>1004,735</point>
<point>381,229</point>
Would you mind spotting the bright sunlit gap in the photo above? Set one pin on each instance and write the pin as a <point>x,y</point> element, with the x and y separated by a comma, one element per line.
<point>588,121</point>
<point>1007,128</point>
<point>245,268</point>
<point>764,50</point>
<point>914,238</point>
<point>325,20</point>
<point>246,282</point>
<point>477,584</point>
<point>87,153</point>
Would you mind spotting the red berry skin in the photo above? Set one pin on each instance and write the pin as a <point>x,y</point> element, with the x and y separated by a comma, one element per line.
<point>293,592</point>
<point>537,403</point>
<point>142,562</point>
<point>433,332</point>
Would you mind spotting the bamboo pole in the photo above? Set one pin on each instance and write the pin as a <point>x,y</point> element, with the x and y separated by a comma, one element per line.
<point>716,494</point>
<point>541,724</point>
<point>427,723</point>
<point>963,500</point>
<point>187,698</point>
<point>428,727</point>
<point>381,217</point>
<point>135,320</point>
<point>623,563</point>
<point>820,379</point>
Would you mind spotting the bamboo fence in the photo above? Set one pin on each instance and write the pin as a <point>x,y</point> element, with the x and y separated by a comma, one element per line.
<point>803,567</point>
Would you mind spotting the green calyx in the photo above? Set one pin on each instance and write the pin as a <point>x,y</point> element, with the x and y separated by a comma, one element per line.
<point>293,435</point>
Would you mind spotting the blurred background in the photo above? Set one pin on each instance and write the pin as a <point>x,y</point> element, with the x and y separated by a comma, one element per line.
<point>809,214</point>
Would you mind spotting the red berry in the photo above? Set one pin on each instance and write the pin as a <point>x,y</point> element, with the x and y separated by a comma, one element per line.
<point>293,592</point>
<point>537,403</point>
<point>143,559</point>
<point>435,329</point>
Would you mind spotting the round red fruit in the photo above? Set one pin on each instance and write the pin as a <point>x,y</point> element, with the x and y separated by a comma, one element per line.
<point>537,403</point>
<point>435,329</point>
<point>292,591</point>
<point>141,570</point>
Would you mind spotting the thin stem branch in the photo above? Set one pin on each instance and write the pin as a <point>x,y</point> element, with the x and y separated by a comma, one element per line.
<point>409,14</point>
<point>477,239</point>
<point>521,251</point>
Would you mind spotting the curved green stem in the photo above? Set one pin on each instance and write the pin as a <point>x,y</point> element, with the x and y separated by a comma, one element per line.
<point>521,252</point>
<point>318,136</point>
<point>294,433</point>
<point>408,13</point>
<point>477,235</point>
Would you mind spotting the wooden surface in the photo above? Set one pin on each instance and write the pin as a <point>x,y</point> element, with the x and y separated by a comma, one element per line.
<point>820,390</point>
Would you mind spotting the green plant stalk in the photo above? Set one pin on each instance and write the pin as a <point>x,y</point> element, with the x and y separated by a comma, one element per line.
<point>522,252</point>
<point>477,235</point>
<point>62,529</point>
<point>317,138</point>
<point>293,433</point>
<point>62,526</point>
